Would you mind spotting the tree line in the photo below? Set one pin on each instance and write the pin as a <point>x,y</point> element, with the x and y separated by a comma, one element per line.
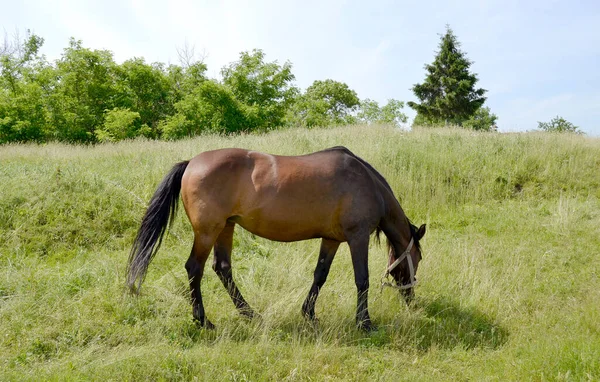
<point>86,97</point>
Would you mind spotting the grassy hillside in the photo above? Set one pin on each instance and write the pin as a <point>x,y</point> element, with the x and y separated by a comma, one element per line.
<point>508,289</point>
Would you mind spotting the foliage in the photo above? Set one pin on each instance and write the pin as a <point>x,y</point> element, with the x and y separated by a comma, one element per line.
<point>422,120</point>
<point>211,107</point>
<point>391,113</point>
<point>559,125</point>
<point>483,120</point>
<point>325,103</point>
<point>448,94</point>
<point>146,89</point>
<point>85,87</point>
<point>19,60</point>
<point>121,124</point>
<point>266,87</point>
<point>24,84</point>
<point>68,216</point>
<point>85,96</point>
<point>177,126</point>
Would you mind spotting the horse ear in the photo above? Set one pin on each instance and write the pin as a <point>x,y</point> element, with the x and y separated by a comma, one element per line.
<point>421,232</point>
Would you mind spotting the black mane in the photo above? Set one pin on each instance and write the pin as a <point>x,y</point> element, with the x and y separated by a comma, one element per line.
<point>413,228</point>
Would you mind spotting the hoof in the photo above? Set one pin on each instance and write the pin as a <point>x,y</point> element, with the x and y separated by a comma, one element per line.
<point>310,316</point>
<point>209,325</point>
<point>204,323</point>
<point>366,325</point>
<point>409,296</point>
<point>247,313</point>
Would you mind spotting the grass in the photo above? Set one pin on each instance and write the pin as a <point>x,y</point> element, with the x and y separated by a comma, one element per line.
<point>508,289</point>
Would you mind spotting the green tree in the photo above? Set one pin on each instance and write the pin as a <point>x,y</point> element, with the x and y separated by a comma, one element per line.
<point>183,79</point>
<point>483,120</point>
<point>264,86</point>
<point>121,124</point>
<point>370,112</point>
<point>559,125</point>
<point>146,90</point>
<point>212,107</point>
<point>86,88</point>
<point>325,103</point>
<point>25,82</point>
<point>448,94</point>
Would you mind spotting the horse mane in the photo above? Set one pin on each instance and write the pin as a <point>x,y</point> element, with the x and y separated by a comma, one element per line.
<point>366,164</point>
<point>378,230</point>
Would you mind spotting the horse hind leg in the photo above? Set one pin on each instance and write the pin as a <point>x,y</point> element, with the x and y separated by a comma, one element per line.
<point>222,267</point>
<point>195,268</point>
<point>326,255</point>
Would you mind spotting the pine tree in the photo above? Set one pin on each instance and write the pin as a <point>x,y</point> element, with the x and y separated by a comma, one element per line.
<point>448,94</point>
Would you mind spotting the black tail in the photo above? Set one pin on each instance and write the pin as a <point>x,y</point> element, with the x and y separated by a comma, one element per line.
<point>161,210</point>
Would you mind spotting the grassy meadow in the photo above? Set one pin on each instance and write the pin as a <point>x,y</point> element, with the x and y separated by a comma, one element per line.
<point>508,288</point>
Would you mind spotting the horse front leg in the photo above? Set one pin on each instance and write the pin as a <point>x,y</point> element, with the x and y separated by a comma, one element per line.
<point>326,255</point>
<point>359,248</point>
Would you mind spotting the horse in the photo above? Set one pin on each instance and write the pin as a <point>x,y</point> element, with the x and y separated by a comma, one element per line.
<point>331,194</point>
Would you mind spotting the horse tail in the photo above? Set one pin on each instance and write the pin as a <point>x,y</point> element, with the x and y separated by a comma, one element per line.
<point>160,212</point>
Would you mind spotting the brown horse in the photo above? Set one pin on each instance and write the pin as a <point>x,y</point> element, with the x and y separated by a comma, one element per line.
<point>331,194</point>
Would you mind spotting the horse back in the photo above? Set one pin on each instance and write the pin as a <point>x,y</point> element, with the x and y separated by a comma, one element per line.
<point>283,198</point>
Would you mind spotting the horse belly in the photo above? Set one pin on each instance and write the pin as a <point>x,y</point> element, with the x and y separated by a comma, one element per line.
<point>289,224</point>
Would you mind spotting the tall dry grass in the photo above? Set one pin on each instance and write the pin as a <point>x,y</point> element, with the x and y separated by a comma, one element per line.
<point>508,287</point>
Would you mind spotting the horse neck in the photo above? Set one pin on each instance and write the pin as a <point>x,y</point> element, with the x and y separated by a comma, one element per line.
<point>396,225</point>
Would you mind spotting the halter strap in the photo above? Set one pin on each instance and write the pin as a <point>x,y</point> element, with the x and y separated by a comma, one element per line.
<point>411,269</point>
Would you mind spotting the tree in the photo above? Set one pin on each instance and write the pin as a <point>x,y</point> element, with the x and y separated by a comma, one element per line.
<point>265,86</point>
<point>25,83</point>
<point>559,125</point>
<point>483,120</point>
<point>144,89</point>
<point>325,103</point>
<point>212,107</point>
<point>187,76</point>
<point>448,94</point>
<point>121,124</point>
<point>391,113</point>
<point>86,88</point>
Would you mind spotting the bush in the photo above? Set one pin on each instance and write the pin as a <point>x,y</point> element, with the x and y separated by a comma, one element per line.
<point>391,113</point>
<point>482,120</point>
<point>176,127</point>
<point>559,125</point>
<point>120,124</point>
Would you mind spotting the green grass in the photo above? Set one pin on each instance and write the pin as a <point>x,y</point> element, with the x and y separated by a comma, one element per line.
<point>508,289</point>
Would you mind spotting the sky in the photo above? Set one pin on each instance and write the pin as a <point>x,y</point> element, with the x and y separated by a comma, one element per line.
<point>537,59</point>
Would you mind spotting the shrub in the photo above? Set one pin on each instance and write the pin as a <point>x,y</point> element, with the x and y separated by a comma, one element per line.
<point>482,120</point>
<point>120,124</point>
<point>559,125</point>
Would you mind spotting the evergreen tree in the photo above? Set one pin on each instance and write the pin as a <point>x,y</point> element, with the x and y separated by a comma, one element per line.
<point>448,94</point>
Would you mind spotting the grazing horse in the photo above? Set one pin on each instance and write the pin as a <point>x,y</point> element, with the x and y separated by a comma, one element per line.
<point>331,194</point>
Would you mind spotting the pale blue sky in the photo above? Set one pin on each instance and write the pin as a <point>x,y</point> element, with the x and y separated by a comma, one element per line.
<point>536,58</point>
